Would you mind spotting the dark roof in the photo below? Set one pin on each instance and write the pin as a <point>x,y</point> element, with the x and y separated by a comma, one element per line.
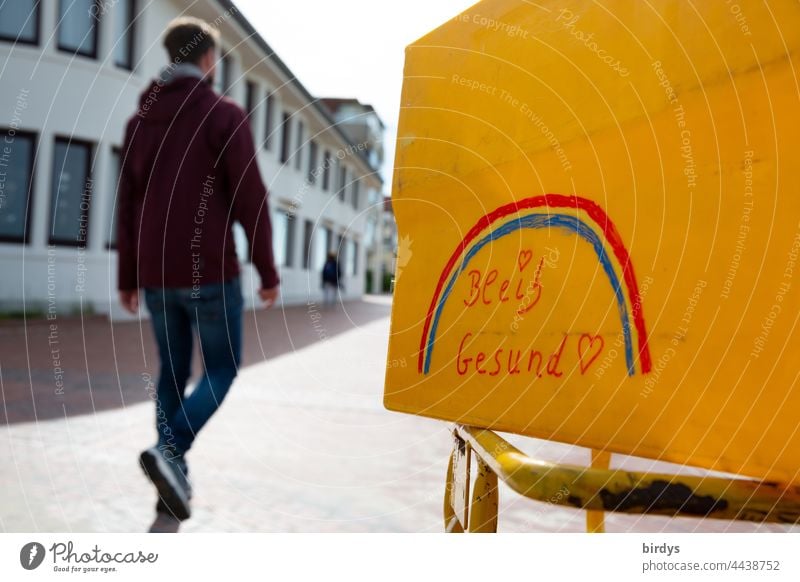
<point>231,8</point>
<point>334,103</point>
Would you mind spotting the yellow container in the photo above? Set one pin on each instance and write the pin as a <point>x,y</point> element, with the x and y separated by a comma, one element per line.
<point>598,207</point>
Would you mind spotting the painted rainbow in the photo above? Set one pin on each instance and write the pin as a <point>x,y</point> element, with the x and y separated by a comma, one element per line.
<point>550,211</point>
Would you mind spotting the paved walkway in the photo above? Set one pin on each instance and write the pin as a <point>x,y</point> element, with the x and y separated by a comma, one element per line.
<point>68,366</point>
<point>302,442</point>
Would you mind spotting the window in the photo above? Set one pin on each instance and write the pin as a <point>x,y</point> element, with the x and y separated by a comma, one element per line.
<point>313,170</point>
<point>298,155</point>
<point>372,196</point>
<point>308,233</point>
<point>71,192</point>
<point>286,134</point>
<point>19,21</point>
<point>283,238</point>
<point>268,128</point>
<point>116,166</point>
<point>16,184</point>
<point>279,230</point>
<point>222,80</point>
<point>371,230</point>
<point>322,245</point>
<point>326,171</point>
<point>356,187</point>
<point>124,33</point>
<point>77,27</point>
<point>290,222</point>
<point>351,257</point>
<point>250,100</point>
<point>342,181</point>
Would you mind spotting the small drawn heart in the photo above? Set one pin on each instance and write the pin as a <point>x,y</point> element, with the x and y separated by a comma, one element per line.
<point>589,349</point>
<point>524,258</point>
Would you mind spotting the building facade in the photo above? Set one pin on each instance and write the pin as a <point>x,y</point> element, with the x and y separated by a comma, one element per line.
<point>71,73</point>
<point>362,125</point>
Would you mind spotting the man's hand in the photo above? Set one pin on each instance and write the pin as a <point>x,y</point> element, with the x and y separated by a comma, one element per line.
<point>268,296</point>
<point>130,301</point>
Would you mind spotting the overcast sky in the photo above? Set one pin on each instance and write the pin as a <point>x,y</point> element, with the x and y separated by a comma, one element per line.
<point>350,48</point>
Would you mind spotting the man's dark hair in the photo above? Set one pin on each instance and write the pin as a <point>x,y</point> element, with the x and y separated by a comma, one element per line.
<point>187,39</point>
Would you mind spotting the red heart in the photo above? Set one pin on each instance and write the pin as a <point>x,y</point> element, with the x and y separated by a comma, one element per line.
<point>587,352</point>
<point>523,260</point>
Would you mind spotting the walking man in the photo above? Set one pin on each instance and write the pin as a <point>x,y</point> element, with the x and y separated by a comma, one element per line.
<point>188,172</point>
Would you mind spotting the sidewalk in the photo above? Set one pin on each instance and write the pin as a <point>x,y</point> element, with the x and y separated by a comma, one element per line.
<point>69,366</point>
<point>302,443</point>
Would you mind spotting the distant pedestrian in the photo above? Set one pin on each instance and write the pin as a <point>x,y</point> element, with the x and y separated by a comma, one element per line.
<point>331,280</point>
<point>188,171</point>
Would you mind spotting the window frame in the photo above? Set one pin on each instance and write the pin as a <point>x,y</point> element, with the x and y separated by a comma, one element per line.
<point>37,30</point>
<point>130,48</point>
<point>327,164</point>
<point>291,226</point>
<point>355,187</point>
<point>287,260</point>
<point>323,232</point>
<point>298,153</point>
<point>251,101</point>
<point>111,245</point>
<point>286,138</point>
<point>313,154</point>
<point>26,231</point>
<point>269,126</point>
<point>96,39</point>
<point>222,74</point>
<point>308,243</point>
<point>350,253</point>
<point>342,182</point>
<point>51,240</point>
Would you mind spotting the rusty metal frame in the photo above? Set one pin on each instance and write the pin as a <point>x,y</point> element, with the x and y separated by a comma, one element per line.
<point>601,490</point>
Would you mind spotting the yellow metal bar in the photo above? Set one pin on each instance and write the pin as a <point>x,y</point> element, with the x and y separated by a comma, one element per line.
<point>483,510</point>
<point>633,492</point>
<point>595,520</point>
<point>452,524</point>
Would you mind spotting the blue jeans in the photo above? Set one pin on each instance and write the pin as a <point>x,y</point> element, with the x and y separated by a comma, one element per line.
<point>214,311</point>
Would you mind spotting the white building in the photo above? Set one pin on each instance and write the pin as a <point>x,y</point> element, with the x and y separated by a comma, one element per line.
<point>71,72</point>
<point>362,125</point>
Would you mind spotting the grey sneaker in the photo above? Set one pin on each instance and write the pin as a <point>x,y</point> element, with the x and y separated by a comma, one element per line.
<point>169,480</point>
<point>161,507</point>
<point>165,522</point>
<point>184,468</point>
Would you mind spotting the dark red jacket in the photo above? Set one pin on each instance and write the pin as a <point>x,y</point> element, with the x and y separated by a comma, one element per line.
<point>188,172</point>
